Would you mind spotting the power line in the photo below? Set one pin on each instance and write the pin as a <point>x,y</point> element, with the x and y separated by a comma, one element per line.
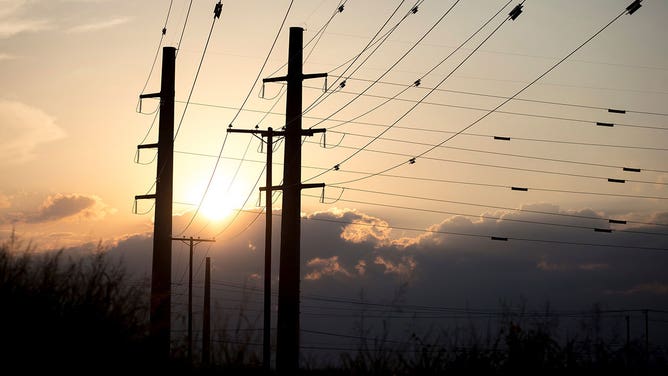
<point>185,23</point>
<point>422,99</point>
<point>448,147</point>
<point>388,70</point>
<point>418,81</point>
<point>489,237</point>
<point>514,188</point>
<point>528,100</point>
<point>490,206</point>
<point>490,217</point>
<point>412,160</point>
<point>606,178</point>
<point>215,167</point>
<point>373,41</point>
<point>157,52</point>
<point>395,97</point>
<point>199,67</point>
<point>448,201</point>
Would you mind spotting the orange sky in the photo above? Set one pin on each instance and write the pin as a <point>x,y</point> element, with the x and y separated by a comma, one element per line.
<point>72,71</point>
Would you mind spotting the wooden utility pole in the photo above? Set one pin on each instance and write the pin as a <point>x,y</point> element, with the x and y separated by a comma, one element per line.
<point>206,320</point>
<point>287,351</point>
<point>266,342</point>
<point>191,242</point>
<point>646,313</point>
<point>161,272</point>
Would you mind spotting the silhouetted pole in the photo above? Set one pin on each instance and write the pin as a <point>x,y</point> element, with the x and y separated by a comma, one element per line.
<point>646,313</point>
<point>266,335</point>
<point>266,344</point>
<point>206,320</point>
<point>287,349</point>
<point>191,242</point>
<point>628,331</point>
<point>161,272</point>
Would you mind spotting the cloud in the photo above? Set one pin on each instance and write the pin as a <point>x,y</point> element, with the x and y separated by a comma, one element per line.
<point>23,129</point>
<point>325,267</point>
<point>99,25</point>
<point>61,206</point>
<point>9,28</point>
<point>404,267</point>
<point>12,22</point>
<point>652,288</point>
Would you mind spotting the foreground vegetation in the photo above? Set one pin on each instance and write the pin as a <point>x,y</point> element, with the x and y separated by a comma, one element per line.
<point>63,314</point>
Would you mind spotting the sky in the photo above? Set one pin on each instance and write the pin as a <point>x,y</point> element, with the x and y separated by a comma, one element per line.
<point>421,209</point>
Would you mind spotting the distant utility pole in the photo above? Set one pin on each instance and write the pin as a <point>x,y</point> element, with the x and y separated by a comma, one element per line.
<point>287,352</point>
<point>266,343</point>
<point>646,313</point>
<point>206,320</point>
<point>161,275</point>
<point>192,242</point>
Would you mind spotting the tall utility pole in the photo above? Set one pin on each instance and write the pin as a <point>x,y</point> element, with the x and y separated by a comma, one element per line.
<point>266,343</point>
<point>192,242</point>
<point>646,313</point>
<point>206,320</point>
<point>161,274</point>
<point>287,352</point>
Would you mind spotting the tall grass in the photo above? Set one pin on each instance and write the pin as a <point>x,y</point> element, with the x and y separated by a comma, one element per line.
<point>65,314</point>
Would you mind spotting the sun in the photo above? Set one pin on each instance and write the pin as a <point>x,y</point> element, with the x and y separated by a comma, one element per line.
<point>216,207</point>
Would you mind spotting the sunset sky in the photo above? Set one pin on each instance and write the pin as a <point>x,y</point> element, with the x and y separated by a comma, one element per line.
<point>449,228</point>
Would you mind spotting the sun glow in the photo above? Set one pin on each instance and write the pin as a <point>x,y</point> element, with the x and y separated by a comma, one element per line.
<point>216,208</point>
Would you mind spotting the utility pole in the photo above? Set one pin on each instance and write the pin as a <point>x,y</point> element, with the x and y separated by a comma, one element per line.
<point>206,320</point>
<point>628,331</point>
<point>192,242</point>
<point>161,272</point>
<point>287,352</point>
<point>646,313</point>
<point>266,342</point>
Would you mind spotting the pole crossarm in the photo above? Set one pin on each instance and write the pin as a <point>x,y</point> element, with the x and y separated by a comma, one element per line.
<point>145,197</point>
<point>193,240</point>
<point>148,146</point>
<point>301,186</point>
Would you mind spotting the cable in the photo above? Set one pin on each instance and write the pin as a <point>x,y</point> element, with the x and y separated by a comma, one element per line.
<point>606,178</point>
<point>493,238</point>
<point>514,188</point>
<point>489,206</point>
<point>199,67</point>
<point>185,23</point>
<point>395,97</point>
<point>371,42</point>
<point>271,49</point>
<point>157,52</point>
<point>607,109</point>
<point>422,99</point>
<point>417,82</point>
<point>440,131</point>
<point>208,185</point>
<point>500,105</point>
<point>495,218</point>
<point>237,114</point>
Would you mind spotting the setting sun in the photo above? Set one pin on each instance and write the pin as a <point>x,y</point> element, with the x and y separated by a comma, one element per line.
<point>216,208</point>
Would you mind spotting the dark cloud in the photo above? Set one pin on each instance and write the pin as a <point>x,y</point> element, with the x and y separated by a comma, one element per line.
<point>60,206</point>
<point>453,263</point>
